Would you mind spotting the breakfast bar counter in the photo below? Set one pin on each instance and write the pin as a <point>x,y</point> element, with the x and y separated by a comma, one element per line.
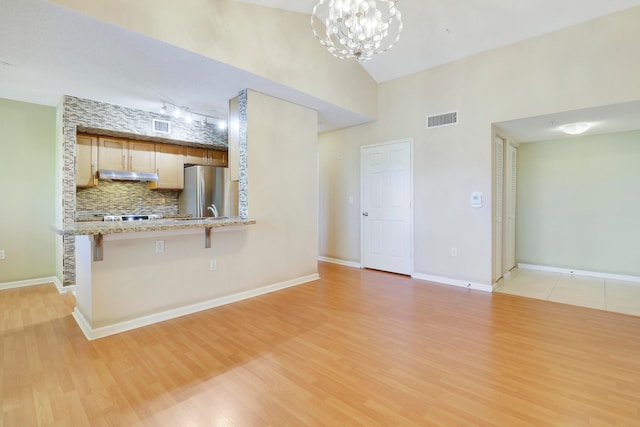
<point>113,227</point>
<point>99,228</point>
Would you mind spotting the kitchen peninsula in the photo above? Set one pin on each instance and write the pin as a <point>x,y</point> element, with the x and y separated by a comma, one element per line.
<point>131,273</point>
<point>156,270</point>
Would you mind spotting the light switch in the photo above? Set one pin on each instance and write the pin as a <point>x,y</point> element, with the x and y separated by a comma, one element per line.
<point>476,199</point>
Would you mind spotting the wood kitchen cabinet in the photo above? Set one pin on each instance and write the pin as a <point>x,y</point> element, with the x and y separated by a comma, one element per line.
<point>205,157</point>
<point>195,156</point>
<point>86,160</point>
<point>142,156</point>
<point>125,155</point>
<point>113,153</point>
<point>96,152</point>
<point>169,167</point>
<point>217,158</point>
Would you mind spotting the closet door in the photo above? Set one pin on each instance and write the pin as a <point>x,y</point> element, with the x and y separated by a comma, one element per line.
<point>510,209</point>
<point>498,209</point>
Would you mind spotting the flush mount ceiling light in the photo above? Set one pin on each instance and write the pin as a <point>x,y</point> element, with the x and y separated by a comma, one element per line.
<point>356,28</point>
<point>191,116</point>
<point>576,128</point>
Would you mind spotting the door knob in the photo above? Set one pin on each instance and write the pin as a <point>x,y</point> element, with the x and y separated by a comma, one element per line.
<point>365,213</point>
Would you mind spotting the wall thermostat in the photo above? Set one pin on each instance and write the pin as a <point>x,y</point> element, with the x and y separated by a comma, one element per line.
<point>476,199</point>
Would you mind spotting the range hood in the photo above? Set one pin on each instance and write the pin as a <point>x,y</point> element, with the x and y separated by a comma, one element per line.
<point>127,176</point>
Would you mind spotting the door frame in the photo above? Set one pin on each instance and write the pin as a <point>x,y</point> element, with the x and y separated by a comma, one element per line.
<point>411,197</point>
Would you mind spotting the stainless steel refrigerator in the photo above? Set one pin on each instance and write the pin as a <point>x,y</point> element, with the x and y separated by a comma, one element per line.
<point>203,186</point>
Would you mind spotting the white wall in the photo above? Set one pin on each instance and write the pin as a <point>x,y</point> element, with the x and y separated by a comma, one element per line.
<point>133,280</point>
<point>583,66</point>
<point>271,43</point>
<point>27,188</point>
<point>579,203</point>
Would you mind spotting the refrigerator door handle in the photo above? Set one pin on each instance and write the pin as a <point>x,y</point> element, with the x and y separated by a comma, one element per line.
<point>200,193</point>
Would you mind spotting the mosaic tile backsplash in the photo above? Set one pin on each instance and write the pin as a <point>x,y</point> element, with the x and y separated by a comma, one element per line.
<point>118,198</point>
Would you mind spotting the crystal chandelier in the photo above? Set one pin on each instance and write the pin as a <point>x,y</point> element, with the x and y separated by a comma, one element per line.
<point>356,28</point>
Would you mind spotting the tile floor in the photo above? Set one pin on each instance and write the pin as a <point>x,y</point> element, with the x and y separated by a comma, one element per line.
<point>594,292</point>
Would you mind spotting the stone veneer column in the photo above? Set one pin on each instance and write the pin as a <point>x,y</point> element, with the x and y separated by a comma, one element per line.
<point>243,203</point>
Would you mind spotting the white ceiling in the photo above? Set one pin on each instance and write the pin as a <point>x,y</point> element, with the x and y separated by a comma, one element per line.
<point>604,119</point>
<point>47,51</point>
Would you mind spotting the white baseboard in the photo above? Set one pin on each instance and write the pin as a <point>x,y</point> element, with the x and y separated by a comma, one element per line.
<point>31,282</point>
<point>61,288</point>
<point>453,282</point>
<point>340,262</point>
<point>611,276</point>
<point>116,328</point>
<point>82,323</point>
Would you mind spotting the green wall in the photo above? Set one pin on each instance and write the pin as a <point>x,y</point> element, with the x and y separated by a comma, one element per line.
<point>578,203</point>
<point>27,190</point>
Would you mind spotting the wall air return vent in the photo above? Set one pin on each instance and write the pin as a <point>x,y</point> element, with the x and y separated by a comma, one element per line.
<point>161,126</point>
<point>446,119</point>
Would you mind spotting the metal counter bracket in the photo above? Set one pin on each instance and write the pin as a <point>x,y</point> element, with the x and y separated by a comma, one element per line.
<point>207,237</point>
<point>97,247</point>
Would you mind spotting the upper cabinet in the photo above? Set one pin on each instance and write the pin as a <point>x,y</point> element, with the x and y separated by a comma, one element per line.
<point>205,157</point>
<point>126,155</point>
<point>86,160</point>
<point>169,167</point>
<point>113,154</point>
<point>142,156</point>
<point>217,158</point>
<point>95,153</point>
<point>195,156</point>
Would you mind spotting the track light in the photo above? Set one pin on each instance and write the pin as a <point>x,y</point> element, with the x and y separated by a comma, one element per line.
<point>190,116</point>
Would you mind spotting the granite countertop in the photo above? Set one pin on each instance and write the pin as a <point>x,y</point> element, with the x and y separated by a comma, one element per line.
<point>113,227</point>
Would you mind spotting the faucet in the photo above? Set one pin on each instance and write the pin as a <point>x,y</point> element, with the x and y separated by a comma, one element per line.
<point>213,210</point>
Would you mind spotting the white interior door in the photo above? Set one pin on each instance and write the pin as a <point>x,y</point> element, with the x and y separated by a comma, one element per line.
<point>386,207</point>
<point>498,209</point>
<point>510,217</point>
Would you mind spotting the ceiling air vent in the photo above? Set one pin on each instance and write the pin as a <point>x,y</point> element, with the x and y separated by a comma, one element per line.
<point>445,119</point>
<point>161,126</point>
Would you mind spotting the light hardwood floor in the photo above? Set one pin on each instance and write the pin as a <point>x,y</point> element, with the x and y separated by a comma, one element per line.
<point>356,348</point>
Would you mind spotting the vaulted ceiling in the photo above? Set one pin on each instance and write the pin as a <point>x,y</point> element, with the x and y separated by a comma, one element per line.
<point>47,51</point>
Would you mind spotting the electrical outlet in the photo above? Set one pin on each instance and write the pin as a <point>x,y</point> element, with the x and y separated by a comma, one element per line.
<point>454,251</point>
<point>159,246</point>
<point>213,265</point>
<point>1,253</point>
